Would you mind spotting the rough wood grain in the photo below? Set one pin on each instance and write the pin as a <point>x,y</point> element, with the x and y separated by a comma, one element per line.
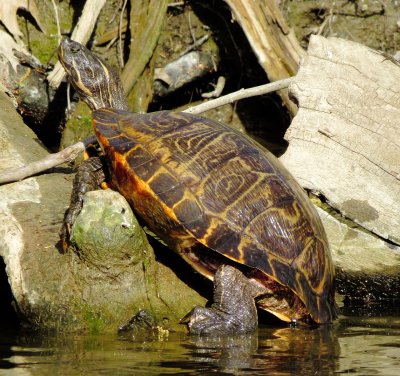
<point>344,142</point>
<point>147,18</point>
<point>273,42</point>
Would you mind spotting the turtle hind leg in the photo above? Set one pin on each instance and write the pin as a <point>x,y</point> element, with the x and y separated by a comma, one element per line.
<point>89,176</point>
<point>233,311</point>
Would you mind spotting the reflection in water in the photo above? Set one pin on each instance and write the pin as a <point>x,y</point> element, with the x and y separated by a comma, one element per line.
<point>228,354</point>
<point>302,351</point>
<point>360,347</point>
<point>283,351</point>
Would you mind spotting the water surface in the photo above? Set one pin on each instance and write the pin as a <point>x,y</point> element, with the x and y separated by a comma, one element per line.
<point>357,346</point>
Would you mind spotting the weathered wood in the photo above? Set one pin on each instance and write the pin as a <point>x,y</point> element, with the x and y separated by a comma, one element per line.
<point>367,267</point>
<point>8,16</point>
<point>146,20</point>
<point>273,42</point>
<point>344,142</point>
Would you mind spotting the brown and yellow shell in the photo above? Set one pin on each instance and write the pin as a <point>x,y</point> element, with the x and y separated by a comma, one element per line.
<point>213,194</point>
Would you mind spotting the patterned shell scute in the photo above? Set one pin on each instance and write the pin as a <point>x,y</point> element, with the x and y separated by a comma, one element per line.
<point>232,195</point>
<point>241,190</point>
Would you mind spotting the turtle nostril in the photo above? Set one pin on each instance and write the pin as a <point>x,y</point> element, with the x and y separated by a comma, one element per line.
<point>75,49</point>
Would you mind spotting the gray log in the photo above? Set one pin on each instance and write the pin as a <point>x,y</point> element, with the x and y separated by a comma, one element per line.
<point>344,143</point>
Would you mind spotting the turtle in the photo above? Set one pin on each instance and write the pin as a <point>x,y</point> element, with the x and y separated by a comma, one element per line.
<point>224,203</point>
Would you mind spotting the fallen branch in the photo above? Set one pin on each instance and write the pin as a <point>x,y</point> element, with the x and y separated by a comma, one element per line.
<point>70,153</point>
<point>240,94</point>
<point>147,18</point>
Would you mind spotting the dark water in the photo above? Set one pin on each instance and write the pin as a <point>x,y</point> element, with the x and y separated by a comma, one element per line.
<point>357,346</point>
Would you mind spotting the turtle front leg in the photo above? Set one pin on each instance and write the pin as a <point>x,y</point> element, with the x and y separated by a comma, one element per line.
<point>234,309</point>
<point>89,176</point>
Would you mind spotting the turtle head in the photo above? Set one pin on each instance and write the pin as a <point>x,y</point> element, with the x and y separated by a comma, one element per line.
<point>96,83</point>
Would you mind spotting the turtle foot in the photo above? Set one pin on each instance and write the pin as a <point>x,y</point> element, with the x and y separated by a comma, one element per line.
<point>89,176</point>
<point>210,321</point>
<point>233,311</point>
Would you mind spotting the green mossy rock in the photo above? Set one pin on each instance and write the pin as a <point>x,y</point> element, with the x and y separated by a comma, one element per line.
<point>106,232</point>
<point>117,269</point>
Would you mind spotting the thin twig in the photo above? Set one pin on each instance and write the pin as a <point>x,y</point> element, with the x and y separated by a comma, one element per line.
<point>71,152</point>
<point>219,87</point>
<point>121,20</point>
<point>68,154</point>
<point>196,44</point>
<point>240,94</point>
<point>57,21</point>
<point>68,98</point>
<point>176,4</point>
<point>191,29</point>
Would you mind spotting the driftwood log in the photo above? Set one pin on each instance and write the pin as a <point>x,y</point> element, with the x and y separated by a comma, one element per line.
<point>344,141</point>
<point>146,22</point>
<point>344,146</point>
<point>273,42</point>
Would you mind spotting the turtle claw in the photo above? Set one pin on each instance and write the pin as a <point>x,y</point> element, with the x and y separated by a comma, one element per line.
<point>64,234</point>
